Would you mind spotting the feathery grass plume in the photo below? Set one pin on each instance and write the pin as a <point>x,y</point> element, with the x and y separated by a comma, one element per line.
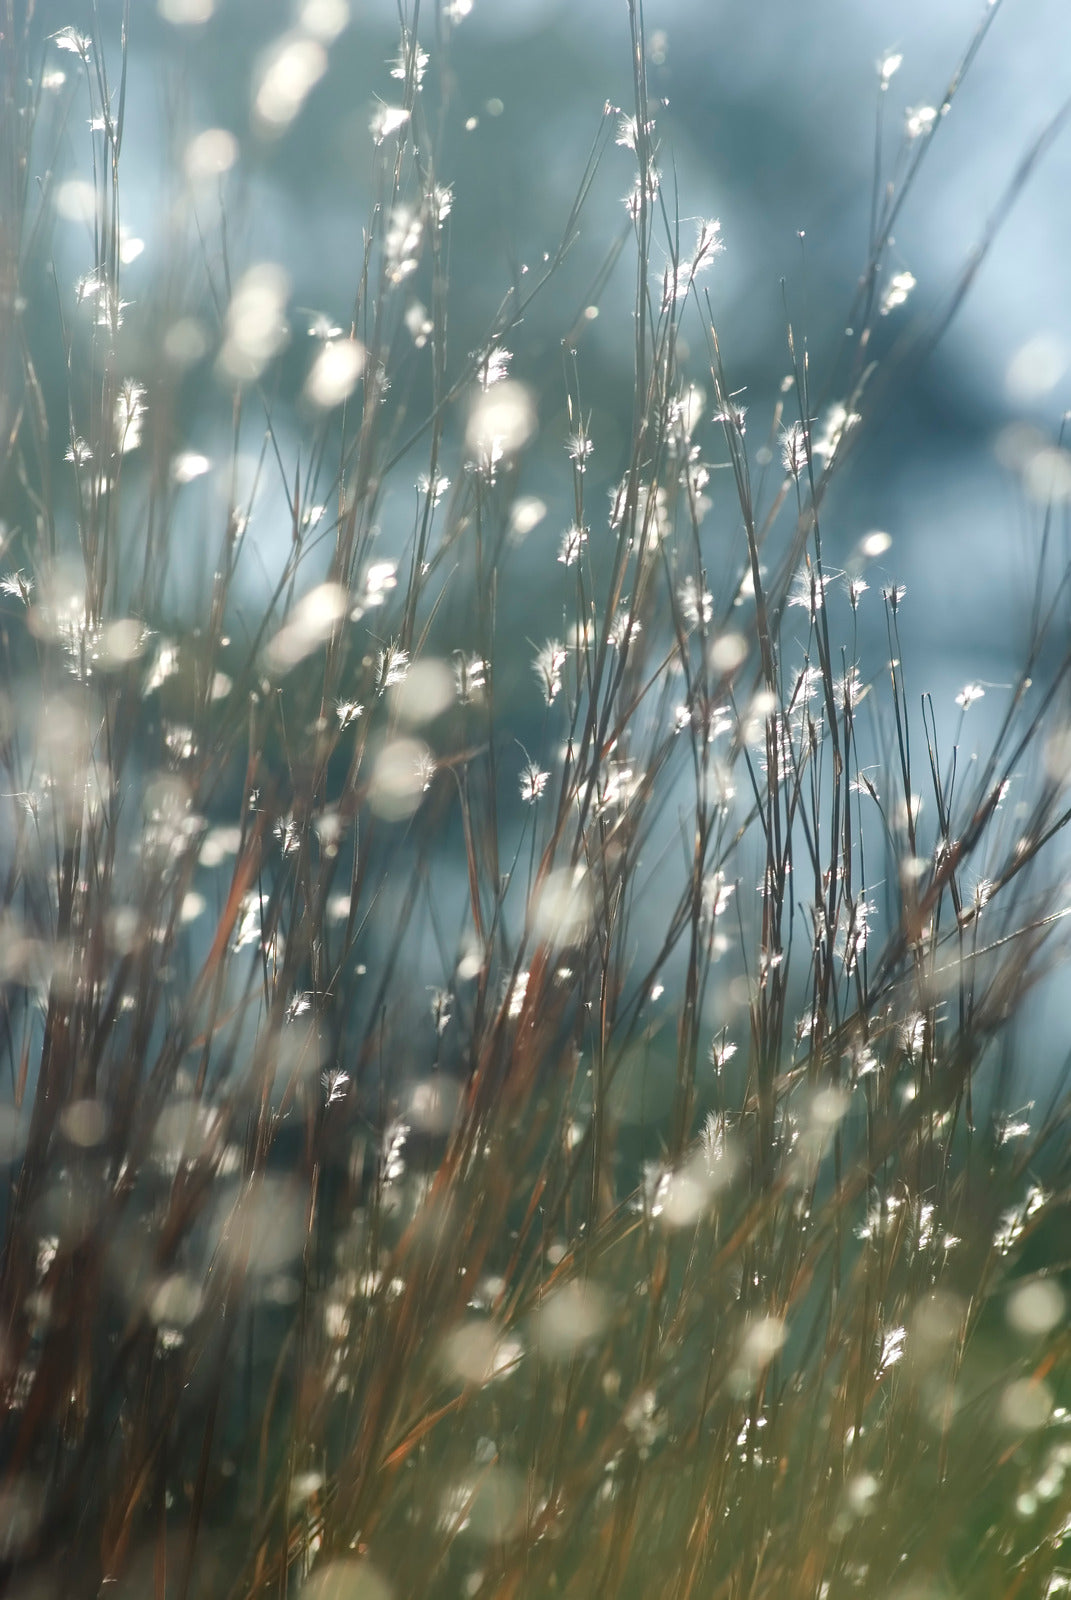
<point>644,1205</point>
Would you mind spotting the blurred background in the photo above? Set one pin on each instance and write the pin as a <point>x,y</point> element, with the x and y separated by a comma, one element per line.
<point>767,118</point>
<point>768,124</point>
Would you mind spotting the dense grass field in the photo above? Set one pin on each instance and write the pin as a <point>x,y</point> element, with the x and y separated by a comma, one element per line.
<point>511,1062</point>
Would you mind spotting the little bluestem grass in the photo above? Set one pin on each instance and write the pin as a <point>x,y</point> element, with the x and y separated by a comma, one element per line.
<point>474,1129</point>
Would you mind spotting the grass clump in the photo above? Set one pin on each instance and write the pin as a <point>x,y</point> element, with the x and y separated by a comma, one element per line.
<point>475,1128</point>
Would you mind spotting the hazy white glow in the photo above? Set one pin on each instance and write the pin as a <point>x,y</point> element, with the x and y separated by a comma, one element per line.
<point>209,154</point>
<point>256,325</point>
<point>334,373</point>
<point>310,624</point>
<point>292,70</point>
